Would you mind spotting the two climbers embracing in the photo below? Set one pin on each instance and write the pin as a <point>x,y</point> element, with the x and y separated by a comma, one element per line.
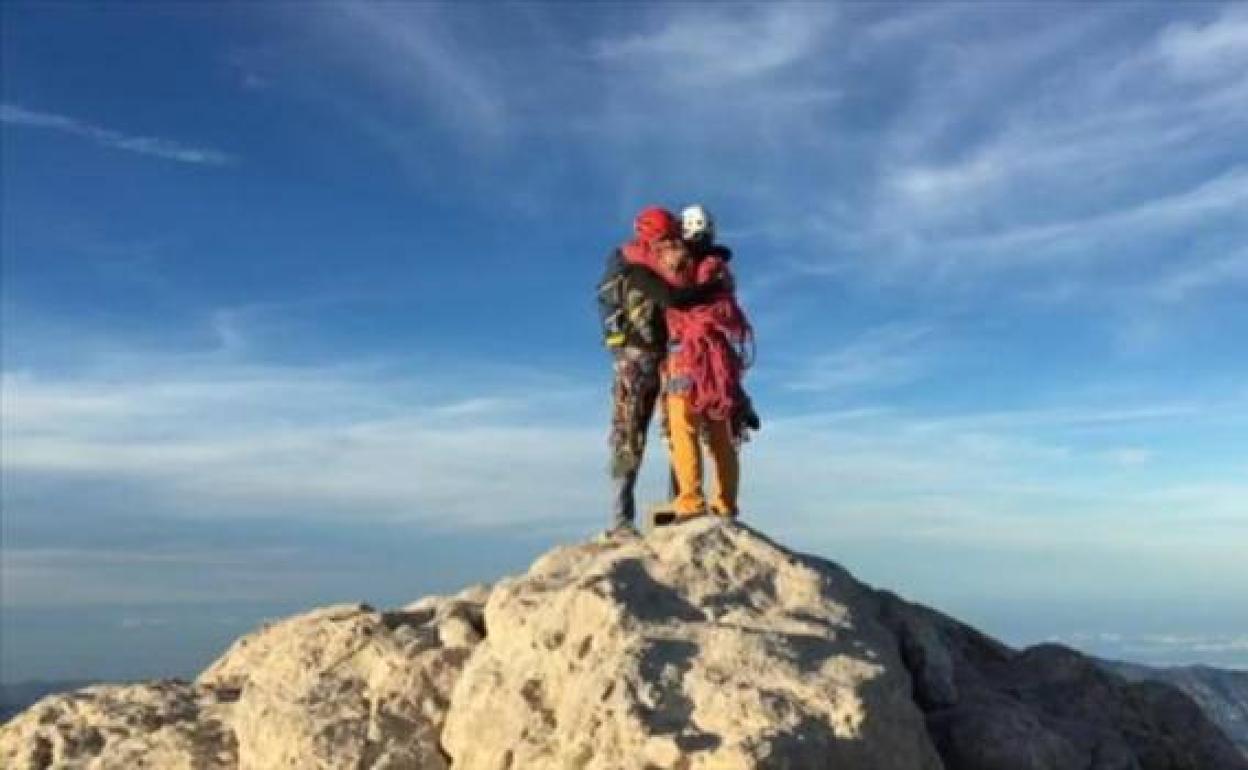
<point>679,340</point>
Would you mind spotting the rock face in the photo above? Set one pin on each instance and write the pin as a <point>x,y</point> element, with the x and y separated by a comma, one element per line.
<point>1046,708</point>
<point>163,725</point>
<point>703,646</point>
<point>1220,693</point>
<point>339,687</point>
<point>347,686</point>
<point>16,698</point>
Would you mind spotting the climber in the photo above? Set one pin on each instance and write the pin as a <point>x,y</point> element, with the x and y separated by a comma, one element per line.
<point>697,229</point>
<point>710,346</point>
<point>632,298</point>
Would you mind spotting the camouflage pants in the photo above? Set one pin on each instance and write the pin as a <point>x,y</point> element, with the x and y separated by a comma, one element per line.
<point>634,394</point>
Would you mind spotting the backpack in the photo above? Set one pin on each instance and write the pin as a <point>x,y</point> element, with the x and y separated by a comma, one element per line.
<point>627,316</point>
<point>611,301</point>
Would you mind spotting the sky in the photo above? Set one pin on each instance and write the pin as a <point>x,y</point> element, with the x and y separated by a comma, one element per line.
<point>298,304</point>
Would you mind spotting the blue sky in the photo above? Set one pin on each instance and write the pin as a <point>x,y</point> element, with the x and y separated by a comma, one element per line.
<point>297,304</point>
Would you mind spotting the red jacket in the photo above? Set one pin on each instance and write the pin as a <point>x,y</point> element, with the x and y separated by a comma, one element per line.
<point>710,346</point>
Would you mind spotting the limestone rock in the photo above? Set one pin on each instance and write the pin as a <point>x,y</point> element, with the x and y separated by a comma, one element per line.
<point>166,725</point>
<point>702,646</point>
<point>1045,708</point>
<point>347,686</point>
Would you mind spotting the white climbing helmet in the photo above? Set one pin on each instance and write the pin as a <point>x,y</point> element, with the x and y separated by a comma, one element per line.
<point>696,223</point>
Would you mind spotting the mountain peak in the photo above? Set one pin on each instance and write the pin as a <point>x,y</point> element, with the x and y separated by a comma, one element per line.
<point>702,645</point>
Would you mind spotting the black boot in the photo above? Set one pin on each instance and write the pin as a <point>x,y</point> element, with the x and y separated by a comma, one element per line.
<point>623,502</point>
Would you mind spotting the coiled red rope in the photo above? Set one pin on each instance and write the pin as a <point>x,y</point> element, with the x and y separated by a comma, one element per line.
<point>713,343</point>
<point>716,346</point>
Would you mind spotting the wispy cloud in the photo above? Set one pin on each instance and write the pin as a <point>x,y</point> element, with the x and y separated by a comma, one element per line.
<point>881,357</point>
<point>1125,456</point>
<point>1217,48</point>
<point>216,438</point>
<point>1180,647</point>
<point>412,47</point>
<point>905,26</point>
<point>166,149</point>
<point>315,440</point>
<point>931,147</point>
<point>58,577</point>
<point>703,46</point>
<point>713,77</point>
<point>1219,273</point>
<point>514,79</point>
<point>1083,238</point>
<point>1076,151</point>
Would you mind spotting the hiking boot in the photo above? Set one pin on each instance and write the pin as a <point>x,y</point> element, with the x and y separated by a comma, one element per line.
<point>662,518</point>
<point>624,530</point>
<point>623,505</point>
<point>662,515</point>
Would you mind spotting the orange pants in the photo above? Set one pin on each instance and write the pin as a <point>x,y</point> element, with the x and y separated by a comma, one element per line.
<point>686,428</point>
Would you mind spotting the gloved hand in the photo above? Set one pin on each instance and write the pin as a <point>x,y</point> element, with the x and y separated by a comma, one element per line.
<point>750,419</point>
<point>745,419</point>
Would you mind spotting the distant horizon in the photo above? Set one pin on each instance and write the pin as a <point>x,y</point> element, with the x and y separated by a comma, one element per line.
<point>205,631</point>
<point>297,304</point>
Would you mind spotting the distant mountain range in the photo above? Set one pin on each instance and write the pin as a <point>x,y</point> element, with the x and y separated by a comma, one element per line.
<point>1222,693</point>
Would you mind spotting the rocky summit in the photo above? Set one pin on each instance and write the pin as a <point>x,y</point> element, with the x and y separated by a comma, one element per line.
<point>701,646</point>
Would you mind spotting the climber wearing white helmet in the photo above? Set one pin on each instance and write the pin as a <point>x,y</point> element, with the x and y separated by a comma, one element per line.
<point>702,403</point>
<point>697,226</point>
<point>697,229</point>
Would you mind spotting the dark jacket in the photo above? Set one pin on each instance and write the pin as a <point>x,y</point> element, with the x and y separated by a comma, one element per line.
<point>707,248</point>
<point>631,301</point>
